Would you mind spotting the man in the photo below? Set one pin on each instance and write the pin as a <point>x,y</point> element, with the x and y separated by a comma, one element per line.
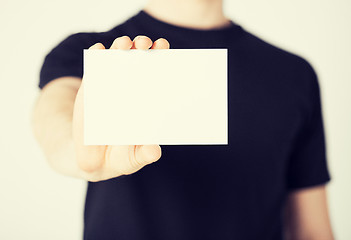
<point>267,183</point>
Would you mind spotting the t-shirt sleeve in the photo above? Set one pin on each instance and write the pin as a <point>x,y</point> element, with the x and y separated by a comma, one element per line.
<point>66,59</point>
<point>308,164</point>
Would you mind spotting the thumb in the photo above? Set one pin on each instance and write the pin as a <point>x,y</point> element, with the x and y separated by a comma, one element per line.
<point>146,154</point>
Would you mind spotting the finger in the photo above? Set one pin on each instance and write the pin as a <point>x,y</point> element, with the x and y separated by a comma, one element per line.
<point>123,42</point>
<point>97,46</point>
<point>160,43</point>
<point>130,158</point>
<point>141,42</point>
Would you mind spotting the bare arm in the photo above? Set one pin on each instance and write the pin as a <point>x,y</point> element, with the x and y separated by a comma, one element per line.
<point>307,215</point>
<point>52,124</point>
<point>58,127</point>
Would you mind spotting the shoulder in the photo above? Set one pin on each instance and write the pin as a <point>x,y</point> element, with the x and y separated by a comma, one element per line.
<point>273,57</point>
<point>271,70</point>
<point>66,57</point>
<point>83,40</point>
<point>275,65</point>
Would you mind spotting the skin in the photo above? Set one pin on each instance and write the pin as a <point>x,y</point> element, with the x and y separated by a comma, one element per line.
<point>58,127</point>
<point>197,14</point>
<point>58,118</point>
<point>306,215</point>
<point>106,162</point>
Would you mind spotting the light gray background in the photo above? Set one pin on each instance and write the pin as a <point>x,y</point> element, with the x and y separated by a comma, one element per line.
<point>37,203</point>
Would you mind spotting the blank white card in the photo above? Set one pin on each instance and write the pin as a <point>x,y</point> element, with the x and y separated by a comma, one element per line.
<point>167,97</point>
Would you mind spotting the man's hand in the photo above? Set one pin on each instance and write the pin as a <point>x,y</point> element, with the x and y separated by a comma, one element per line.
<point>104,162</point>
<point>58,126</point>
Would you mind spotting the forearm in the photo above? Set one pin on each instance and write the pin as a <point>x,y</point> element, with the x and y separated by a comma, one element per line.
<point>52,124</point>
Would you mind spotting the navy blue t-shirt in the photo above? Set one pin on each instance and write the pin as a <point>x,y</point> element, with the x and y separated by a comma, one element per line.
<point>275,145</point>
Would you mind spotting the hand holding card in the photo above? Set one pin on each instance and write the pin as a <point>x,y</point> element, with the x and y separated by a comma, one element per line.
<point>102,162</point>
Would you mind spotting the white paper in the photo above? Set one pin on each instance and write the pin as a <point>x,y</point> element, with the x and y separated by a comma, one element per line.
<point>166,97</point>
